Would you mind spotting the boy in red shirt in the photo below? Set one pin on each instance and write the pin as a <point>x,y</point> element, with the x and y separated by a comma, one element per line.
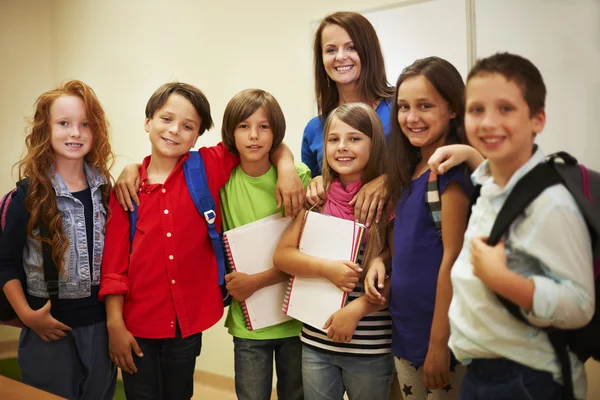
<point>163,292</point>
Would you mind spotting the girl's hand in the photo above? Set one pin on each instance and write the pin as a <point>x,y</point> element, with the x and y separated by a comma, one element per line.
<point>370,201</point>
<point>447,157</point>
<point>120,345</point>
<point>240,285</point>
<point>341,325</point>
<point>127,186</point>
<point>343,274</point>
<point>315,191</point>
<point>44,324</point>
<point>436,370</point>
<point>289,191</point>
<point>374,282</point>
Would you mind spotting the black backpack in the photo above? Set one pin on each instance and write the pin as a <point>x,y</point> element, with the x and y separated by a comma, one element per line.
<point>584,185</point>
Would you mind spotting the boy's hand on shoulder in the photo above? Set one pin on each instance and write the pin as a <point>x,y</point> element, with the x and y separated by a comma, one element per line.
<point>489,262</point>
<point>121,345</point>
<point>341,325</point>
<point>44,324</point>
<point>127,186</point>
<point>436,370</point>
<point>343,274</point>
<point>289,191</point>
<point>240,285</point>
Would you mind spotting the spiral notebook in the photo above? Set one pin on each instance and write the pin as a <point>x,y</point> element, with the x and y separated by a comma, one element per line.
<point>249,249</point>
<point>313,300</point>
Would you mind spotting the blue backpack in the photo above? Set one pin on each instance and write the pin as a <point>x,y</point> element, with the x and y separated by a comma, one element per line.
<point>197,184</point>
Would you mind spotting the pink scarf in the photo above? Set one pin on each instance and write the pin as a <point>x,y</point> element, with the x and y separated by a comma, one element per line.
<point>338,198</point>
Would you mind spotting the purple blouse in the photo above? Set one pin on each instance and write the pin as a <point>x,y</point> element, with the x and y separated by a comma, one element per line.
<point>418,252</point>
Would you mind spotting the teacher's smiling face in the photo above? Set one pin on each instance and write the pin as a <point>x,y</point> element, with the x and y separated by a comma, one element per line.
<point>340,58</point>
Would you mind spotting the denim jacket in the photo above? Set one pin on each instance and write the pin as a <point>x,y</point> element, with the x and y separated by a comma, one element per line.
<point>75,282</point>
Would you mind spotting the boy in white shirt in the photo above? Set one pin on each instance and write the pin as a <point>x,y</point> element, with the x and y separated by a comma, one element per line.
<point>545,266</point>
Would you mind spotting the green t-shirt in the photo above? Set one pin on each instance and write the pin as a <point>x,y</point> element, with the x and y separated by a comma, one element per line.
<point>245,199</point>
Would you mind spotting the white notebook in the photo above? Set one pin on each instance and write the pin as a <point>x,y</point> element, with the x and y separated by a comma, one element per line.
<point>313,300</point>
<point>249,249</point>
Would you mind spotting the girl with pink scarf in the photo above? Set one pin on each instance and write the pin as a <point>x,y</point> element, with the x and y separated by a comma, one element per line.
<point>354,355</point>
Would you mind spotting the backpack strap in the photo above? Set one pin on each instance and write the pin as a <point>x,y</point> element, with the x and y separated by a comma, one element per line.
<point>132,225</point>
<point>541,177</point>
<point>433,201</point>
<point>197,183</point>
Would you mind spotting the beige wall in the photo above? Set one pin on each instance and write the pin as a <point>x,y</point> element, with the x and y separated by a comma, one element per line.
<point>126,49</point>
<point>27,68</point>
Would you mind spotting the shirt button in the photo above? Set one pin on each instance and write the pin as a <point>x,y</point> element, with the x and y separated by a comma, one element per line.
<point>168,234</point>
<point>166,211</point>
<point>164,190</point>
<point>171,257</point>
<point>173,281</point>
<point>79,224</point>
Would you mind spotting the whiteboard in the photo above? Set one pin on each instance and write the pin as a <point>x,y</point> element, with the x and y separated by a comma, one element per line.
<point>421,29</point>
<point>562,38</point>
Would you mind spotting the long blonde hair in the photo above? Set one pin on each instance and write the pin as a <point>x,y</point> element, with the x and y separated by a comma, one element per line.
<point>39,159</point>
<point>365,120</point>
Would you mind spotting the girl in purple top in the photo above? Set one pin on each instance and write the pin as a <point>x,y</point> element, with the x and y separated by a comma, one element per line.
<point>429,105</point>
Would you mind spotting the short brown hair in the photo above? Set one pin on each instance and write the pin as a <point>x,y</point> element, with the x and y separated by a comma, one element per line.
<point>372,83</point>
<point>189,92</point>
<point>243,105</point>
<point>519,70</point>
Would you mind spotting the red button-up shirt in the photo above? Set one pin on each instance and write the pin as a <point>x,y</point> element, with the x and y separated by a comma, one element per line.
<point>171,274</point>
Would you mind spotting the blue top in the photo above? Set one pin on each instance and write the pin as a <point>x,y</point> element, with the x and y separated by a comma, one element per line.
<point>416,260</point>
<point>312,140</point>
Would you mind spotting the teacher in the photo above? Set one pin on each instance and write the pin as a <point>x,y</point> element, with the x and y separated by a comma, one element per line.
<point>349,67</point>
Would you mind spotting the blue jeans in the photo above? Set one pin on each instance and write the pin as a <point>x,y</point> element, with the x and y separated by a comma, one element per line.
<point>254,368</point>
<point>166,371</point>
<point>503,379</point>
<point>326,376</point>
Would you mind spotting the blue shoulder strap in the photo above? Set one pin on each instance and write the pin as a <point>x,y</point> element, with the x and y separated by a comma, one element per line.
<point>132,225</point>
<point>197,183</point>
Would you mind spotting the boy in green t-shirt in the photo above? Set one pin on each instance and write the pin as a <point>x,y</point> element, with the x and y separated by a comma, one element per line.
<point>253,124</point>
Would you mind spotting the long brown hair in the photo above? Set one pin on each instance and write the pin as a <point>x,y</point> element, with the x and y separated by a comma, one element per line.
<point>403,156</point>
<point>365,120</point>
<point>372,83</point>
<point>39,160</point>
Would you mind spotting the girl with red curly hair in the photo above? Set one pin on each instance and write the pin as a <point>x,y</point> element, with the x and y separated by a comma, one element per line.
<point>63,191</point>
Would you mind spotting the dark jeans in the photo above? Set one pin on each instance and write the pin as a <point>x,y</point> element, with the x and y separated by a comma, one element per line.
<point>502,379</point>
<point>53,367</point>
<point>254,368</point>
<point>166,371</point>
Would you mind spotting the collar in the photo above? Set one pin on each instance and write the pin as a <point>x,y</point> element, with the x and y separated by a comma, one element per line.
<point>483,176</point>
<point>92,174</point>
<point>146,163</point>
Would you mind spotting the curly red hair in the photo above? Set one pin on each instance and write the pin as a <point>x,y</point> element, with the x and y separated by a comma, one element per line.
<point>39,159</point>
